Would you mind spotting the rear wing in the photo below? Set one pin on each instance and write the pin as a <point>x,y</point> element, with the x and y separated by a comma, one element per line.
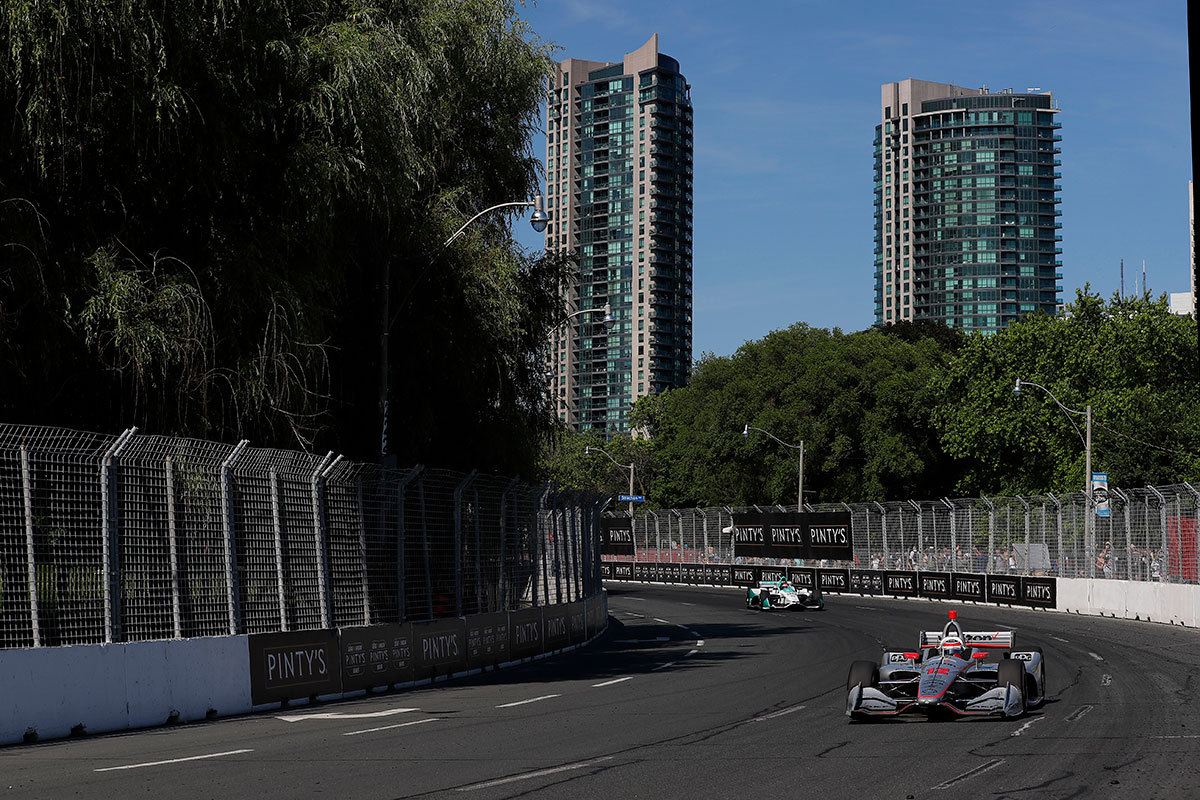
<point>982,639</point>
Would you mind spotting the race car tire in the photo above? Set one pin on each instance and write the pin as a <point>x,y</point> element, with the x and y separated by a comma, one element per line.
<point>864,672</point>
<point>1012,672</point>
<point>1041,701</point>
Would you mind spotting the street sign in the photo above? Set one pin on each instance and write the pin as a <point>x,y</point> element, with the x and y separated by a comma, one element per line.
<point>631,498</point>
<point>1100,493</point>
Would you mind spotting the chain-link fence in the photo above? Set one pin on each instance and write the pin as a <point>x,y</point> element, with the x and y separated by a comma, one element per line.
<point>130,538</point>
<point>1149,534</point>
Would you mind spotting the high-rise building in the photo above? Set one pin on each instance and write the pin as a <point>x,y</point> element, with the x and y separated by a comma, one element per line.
<point>966,205</point>
<point>619,194</point>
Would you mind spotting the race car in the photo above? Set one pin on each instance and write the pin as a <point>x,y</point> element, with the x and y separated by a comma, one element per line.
<point>782,594</point>
<point>950,674</point>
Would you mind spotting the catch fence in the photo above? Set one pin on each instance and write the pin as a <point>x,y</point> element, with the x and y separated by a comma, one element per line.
<point>1150,534</point>
<point>131,538</point>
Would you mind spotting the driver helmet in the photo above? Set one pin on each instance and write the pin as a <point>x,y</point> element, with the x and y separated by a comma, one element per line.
<point>784,585</point>
<point>953,646</point>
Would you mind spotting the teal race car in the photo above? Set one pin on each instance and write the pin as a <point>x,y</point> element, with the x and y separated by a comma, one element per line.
<point>782,595</point>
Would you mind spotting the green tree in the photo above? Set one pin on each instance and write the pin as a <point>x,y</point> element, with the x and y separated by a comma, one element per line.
<point>203,204</point>
<point>1130,358</point>
<point>859,401</point>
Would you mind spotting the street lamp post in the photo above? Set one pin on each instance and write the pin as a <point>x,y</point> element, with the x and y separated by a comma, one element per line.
<point>539,220</point>
<point>588,451</point>
<point>1088,522</point>
<point>799,473</point>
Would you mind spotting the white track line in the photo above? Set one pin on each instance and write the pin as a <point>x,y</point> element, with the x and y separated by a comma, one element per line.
<point>643,641</point>
<point>530,700</point>
<point>610,683</point>
<point>970,774</point>
<point>1097,657</point>
<point>390,727</point>
<point>537,774</point>
<point>1077,713</point>
<point>699,643</point>
<point>693,633</point>
<point>1059,638</point>
<point>664,666</point>
<point>687,604</point>
<point>777,713</point>
<point>691,653</point>
<point>663,621</point>
<point>1025,727</point>
<point>174,760</point>
<point>340,715</point>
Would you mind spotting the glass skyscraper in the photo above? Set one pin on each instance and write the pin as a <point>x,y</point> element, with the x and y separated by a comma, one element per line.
<point>966,205</point>
<point>619,194</point>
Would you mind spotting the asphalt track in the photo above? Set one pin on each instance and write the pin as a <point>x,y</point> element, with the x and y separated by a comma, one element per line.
<point>689,695</point>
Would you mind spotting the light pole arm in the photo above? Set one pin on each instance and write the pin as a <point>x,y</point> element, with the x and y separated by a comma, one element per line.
<point>610,458</point>
<point>1086,414</point>
<point>467,224</point>
<point>776,438</point>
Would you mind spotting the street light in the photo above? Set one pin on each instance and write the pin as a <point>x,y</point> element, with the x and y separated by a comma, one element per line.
<point>1088,522</point>
<point>539,220</point>
<point>800,471</point>
<point>609,319</point>
<point>587,451</point>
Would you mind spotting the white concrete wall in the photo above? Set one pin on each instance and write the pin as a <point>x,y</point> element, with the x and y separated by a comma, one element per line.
<point>49,691</point>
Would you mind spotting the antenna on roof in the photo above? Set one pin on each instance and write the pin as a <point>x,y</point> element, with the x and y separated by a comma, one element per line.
<point>1122,279</point>
<point>1144,289</point>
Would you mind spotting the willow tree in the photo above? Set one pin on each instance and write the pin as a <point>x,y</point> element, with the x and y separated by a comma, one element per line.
<point>204,203</point>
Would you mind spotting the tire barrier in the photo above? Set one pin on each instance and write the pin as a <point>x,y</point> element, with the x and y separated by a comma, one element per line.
<point>1034,591</point>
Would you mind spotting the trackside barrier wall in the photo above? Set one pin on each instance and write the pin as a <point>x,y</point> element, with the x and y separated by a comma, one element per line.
<point>1170,603</point>
<point>55,692</point>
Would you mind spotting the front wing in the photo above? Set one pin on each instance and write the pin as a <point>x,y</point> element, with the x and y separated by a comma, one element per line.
<point>867,701</point>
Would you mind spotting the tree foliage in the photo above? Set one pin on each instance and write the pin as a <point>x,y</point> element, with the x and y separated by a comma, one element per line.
<point>202,202</point>
<point>1131,359</point>
<point>921,411</point>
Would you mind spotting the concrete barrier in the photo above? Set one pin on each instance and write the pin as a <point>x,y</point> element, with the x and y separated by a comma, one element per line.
<point>53,692</point>
<point>1074,595</point>
<point>56,691</point>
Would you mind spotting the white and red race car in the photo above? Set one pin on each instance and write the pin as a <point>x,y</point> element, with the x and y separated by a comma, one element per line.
<point>950,673</point>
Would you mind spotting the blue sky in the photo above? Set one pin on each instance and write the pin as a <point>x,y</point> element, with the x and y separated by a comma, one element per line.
<point>786,98</point>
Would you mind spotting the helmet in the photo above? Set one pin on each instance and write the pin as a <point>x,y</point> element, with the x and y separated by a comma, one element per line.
<point>953,646</point>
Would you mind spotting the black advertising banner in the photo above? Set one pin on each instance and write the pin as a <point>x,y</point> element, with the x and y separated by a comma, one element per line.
<point>865,581</point>
<point>693,573</point>
<point>487,639</point>
<point>555,634</point>
<point>439,647</point>
<point>606,570</point>
<point>900,584</point>
<point>1041,592</point>
<point>771,573</point>
<point>642,572</point>
<point>790,534</point>
<point>1004,589</point>
<point>969,586</point>
<point>290,666</point>
<point>622,570</point>
<point>577,622</point>
<point>804,578</point>
<point>743,576</point>
<point>525,632</point>
<point>935,584</point>
<point>616,536</point>
<point>833,580</point>
<point>597,614</point>
<point>376,655</point>
<point>671,573</point>
<point>718,574</point>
